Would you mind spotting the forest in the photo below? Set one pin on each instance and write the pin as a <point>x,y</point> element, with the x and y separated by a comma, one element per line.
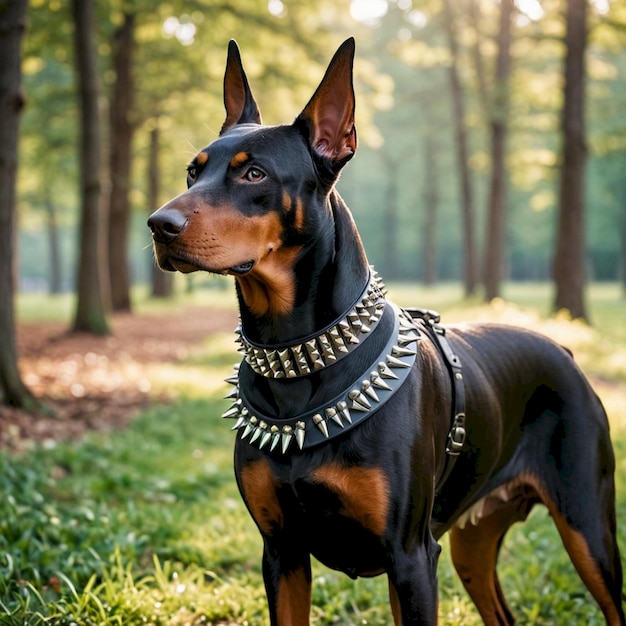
<point>489,183</point>
<point>159,70</point>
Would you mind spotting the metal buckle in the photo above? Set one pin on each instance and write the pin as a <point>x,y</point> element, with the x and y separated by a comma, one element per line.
<point>456,436</point>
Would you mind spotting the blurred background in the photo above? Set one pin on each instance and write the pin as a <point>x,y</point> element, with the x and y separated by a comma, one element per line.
<point>489,184</point>
<point>452,99</point>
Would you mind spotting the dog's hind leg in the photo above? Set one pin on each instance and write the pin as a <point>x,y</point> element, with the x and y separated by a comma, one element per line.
<point>475,543</point>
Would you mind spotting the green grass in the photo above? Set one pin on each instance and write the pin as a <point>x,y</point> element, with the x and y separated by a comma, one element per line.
<point>145,525</point>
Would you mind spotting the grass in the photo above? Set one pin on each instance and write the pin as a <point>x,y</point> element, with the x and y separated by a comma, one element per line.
<point>145,525</point>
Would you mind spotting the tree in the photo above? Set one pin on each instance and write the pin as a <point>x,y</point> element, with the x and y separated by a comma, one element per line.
<point>122,127</point>
<point>12,100</point>
<point>569,258</point>
<point>467,202</point>
<point>496,217</point>
<point>431,204</point>
<point>90,309</point>
<point>162,282</point>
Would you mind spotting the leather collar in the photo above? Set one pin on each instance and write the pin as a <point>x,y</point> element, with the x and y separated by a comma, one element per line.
<point>374,386</point>
<point>333,343</point>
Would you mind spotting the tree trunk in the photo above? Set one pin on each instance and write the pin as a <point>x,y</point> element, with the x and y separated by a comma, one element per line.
<point>622,228</point>
<point>390,217</point>
<point>569,259</point>
<point>90,310</point>
<point>496,215</point>
<point>431,202</point>
<point>120,164</point>
<point>12,26</point>
<point>54,248</point>
<point>467,204</point>
<point>162,282</point>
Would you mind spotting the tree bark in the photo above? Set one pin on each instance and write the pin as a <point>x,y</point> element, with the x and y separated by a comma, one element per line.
<point>569,259</point>
<point>54,248</point>
<point>390,217</point>
<point>431,203</point>
<point>162,282</point>
<point>12,27</point>
<point>120,164</point>
<point>496,215</point>
<point>90,313</point>
<point>467,203</point>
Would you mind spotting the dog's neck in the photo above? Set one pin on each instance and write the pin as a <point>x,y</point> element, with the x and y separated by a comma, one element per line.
<point>331,273</point>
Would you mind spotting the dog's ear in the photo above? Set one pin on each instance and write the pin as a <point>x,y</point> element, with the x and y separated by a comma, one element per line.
<point>329,115</point>
<point>241,107</point>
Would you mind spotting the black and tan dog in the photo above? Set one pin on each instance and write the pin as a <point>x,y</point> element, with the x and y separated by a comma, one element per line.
<point>365,432</point>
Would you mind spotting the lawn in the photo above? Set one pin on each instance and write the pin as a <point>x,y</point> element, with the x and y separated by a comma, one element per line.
<point>144,525</point>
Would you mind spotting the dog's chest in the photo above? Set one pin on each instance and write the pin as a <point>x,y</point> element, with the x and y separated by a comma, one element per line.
<point>337,513</point>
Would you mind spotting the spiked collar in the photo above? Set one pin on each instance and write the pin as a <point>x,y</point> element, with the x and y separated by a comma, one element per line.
<point>375,385</point>
<point>315,352</point>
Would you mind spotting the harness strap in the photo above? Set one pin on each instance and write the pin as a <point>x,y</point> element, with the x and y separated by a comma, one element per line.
<point>457,432</point>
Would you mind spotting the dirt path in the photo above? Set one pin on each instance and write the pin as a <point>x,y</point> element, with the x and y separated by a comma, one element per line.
<point>98,382</point>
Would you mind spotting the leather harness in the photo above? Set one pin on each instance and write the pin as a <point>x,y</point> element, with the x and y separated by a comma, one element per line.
<point>377,383</point>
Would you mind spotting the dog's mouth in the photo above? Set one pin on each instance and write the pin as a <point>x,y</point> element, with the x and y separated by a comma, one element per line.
<point>241,269</point>
<point>186,264</point>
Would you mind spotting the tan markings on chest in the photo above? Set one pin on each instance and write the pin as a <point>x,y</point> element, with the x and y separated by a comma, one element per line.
<point>259,492</point>
<point>363,492</point>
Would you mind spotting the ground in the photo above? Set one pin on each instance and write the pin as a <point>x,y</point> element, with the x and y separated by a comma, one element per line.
<point>90,382</point>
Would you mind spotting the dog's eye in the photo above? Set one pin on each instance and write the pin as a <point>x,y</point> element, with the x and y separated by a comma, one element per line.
<point>192,172</point>
<point>254,174</point>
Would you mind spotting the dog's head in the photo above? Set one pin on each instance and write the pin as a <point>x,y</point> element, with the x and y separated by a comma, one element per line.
<point>257,197</point>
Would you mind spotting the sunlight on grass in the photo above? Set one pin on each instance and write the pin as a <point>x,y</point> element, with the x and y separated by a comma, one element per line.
<point>146,526</point>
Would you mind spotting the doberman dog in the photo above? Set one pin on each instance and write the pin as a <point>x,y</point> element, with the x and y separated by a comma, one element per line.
<point>364,431</point>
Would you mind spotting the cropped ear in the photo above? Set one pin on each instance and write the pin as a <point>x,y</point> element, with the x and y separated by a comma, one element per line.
<point>329,115</point>
<point>241,108</point>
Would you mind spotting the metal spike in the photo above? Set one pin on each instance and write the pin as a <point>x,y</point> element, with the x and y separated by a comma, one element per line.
<point>256,434</point>
<point>342,407</point>
<point>366,387</point>
<point>393,362</point>
<point>285,358</point>
<point>312,350</point>
<point>291,374</point>
<point>250,426</point>
<point>233,394</point>
<point>338,339</point>
<point>328,352</point>
<point>232,380</point>
<point>318,420</point>
<point>348,335</point>
<point>365,328</point>
<point>273,360</point>
<point>267,435</point>
<point>241,420</point>
<point>398,351</point>
<point>275,434</point>
<point>300,360</point>
<point>286,437</point>
<point>377,381</point>
<point>405,338</point>
<point>300,433</point>
<point>331,413</point>
<point>384,371</point>
<point>234,410</point>
<point>359,401</point>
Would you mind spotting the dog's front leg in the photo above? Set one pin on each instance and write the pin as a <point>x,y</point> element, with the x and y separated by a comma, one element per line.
<point>413,585</point>
<point>287,576</point>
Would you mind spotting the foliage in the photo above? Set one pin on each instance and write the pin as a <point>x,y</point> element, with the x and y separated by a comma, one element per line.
<point>145,525</point>
<point>402,105</point>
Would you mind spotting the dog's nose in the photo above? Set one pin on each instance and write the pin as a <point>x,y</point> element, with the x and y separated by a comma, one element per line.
<point>166,224</point>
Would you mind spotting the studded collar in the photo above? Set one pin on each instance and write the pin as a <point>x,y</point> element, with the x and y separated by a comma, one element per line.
<point>333,343</point>
<point>375,385</point>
